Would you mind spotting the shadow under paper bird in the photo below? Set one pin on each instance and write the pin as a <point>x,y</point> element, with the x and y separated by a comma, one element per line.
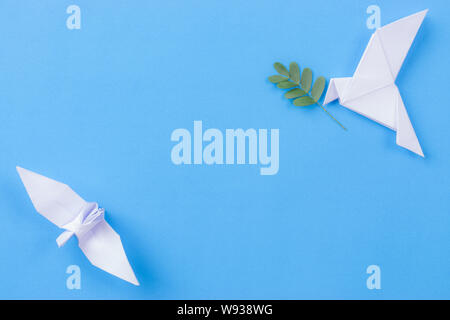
<point>371,91</point>
<point>62,206</point>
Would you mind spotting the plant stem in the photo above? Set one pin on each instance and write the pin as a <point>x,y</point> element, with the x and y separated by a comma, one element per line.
<point>323,108</point>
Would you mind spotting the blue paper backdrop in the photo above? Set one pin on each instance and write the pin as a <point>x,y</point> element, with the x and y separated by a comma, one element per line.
<point>95,108</point>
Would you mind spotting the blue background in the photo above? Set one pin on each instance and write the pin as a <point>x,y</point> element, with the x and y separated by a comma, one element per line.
<point>95,108</point>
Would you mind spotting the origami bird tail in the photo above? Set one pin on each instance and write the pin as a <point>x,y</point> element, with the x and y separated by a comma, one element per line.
<point>406,136</point>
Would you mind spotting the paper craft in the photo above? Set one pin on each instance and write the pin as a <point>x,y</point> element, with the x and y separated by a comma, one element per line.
<point>371,91</point>
<point>62,206</point>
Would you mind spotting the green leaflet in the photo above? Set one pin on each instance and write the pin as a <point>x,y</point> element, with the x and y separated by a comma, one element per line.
<point>281,69</point>
<point>318,88</point>
<point>306,81</point>
<point>294,72</point>
<point>276,79</point>
<point>304,101</point>
<point>286,85</point>
<point>300,86</point>
<point>294,93</point>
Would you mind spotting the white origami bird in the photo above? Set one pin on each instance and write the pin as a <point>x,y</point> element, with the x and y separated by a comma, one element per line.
<point>62,206</point>
<point>371,91</point>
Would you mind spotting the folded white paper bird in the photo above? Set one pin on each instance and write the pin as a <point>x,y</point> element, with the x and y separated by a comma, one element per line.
<point>62,206</point>
<point>371,91</point>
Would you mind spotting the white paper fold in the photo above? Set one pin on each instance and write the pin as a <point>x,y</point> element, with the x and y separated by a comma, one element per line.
<point>371,91</point>
<point>62,206</point>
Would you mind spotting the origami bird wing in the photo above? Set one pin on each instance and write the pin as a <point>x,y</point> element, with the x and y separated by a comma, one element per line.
<point>54,200</point>
<point>384,56</point>
<point>372,73</point>
<point>62,206</point>
<point>103,247</point>
<point>397,37</point>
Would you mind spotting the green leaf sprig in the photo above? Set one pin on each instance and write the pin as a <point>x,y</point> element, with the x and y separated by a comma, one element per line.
<point>301,90</point>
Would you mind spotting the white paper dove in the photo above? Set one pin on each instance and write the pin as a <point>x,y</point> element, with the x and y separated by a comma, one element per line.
<point>62,206</point>
<point>371,91</point>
